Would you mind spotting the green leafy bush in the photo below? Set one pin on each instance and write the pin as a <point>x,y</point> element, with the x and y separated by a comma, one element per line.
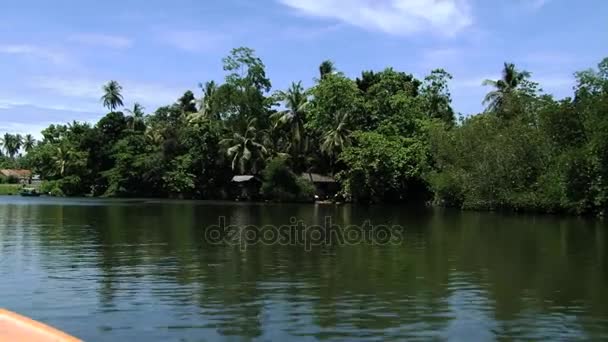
<point>281,184</point>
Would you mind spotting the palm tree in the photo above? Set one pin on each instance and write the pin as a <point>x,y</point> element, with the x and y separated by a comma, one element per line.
<point>61,159</point>
<point>112,97</point>
<point>296,102</point>
<point>154,136</point>
<point>206,108</point>
<point>337,138</point>
<point>326,68</point>
<point>136,115</point>
<point>12,144</point>
<point>28,143</point>
<point>244,149</point>
<point>511,79</point>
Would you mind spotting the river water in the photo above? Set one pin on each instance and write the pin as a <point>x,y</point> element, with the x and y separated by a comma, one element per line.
<point>120,270</point>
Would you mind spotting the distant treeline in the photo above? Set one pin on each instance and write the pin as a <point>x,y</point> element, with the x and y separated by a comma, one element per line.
<point>385,136</point>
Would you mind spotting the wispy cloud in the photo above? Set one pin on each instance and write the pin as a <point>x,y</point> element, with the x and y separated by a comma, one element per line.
<point>398,17</point>
<point>35,51</point>
<point>25,118</point>
<point>537,4</point>
<point>99,39</point>
<point>149,93</point>
<point>193,40</point>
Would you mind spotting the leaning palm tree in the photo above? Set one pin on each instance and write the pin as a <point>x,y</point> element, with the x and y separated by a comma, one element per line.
<point>295,100</point>
<point>244,149</point>
<point>511,79</point>
<point>326,68</point>
<point>337,138</point>
<point>112,97</point>
<point>28,143</point>
<point>136,115</point>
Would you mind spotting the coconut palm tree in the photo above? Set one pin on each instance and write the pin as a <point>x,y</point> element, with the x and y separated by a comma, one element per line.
<point>327,67</point>
<point>511,79</point>
<point>337,138</point>
<point>112,97</point>
<point>205,106</point>
<point>154,136</point>
<point>12,144</point>
<point>61,159</point>
<point>296,102</point>
<point>28,143</point>
<point>244,149</point>
<point>136,115</point>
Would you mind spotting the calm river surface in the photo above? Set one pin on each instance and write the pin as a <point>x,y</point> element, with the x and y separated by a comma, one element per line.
<point>122,270</point>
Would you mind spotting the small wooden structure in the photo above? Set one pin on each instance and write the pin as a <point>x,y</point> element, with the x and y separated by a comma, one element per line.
<point>246,187</point>
<point>24,176</point>
<point>325,186</point>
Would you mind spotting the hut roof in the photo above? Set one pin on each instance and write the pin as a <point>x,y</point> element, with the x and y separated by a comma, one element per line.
<point>16,173</point>
<point>243,178</point>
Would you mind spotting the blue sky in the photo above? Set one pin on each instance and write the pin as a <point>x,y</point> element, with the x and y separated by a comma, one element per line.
<point>55,55</point>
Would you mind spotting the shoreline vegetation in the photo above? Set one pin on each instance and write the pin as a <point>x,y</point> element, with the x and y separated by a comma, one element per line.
<point>384,136</point>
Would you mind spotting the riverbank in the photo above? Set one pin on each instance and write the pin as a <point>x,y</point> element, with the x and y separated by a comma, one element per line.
<point>10,189</point>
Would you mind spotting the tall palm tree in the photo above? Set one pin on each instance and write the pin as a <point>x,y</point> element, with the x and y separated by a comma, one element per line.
<point>296,102</point>
<point>511,79</point>
<point>244,149</point>
<point>112,97</point>
<point>205,107</point>
<point>136,115</point>
<point>12,144</point>
<point>327,67</point>
<point>28,143</point>
<point>337,138</point>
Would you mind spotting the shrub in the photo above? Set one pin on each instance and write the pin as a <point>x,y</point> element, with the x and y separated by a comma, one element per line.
<point>52,188</point>
<point>281,184</point>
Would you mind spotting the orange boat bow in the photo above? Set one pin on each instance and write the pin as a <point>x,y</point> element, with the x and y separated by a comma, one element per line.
<point>14,327</point>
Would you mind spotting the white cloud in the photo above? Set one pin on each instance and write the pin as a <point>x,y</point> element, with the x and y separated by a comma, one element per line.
<point>398,17</point>
<point>35,51</point>
<point>111,41</point>
<point>148,93</point>
<point>193,40</point>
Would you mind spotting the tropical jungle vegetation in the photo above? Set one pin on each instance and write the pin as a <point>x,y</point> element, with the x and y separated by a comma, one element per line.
<point>385,136</point>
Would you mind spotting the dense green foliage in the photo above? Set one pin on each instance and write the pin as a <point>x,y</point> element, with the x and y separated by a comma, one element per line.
<point>281,184</point>
<point>386,136</point>
<point>528,151</point>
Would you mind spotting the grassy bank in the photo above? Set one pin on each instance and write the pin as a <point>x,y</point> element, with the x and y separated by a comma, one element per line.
<point>10,189</point>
